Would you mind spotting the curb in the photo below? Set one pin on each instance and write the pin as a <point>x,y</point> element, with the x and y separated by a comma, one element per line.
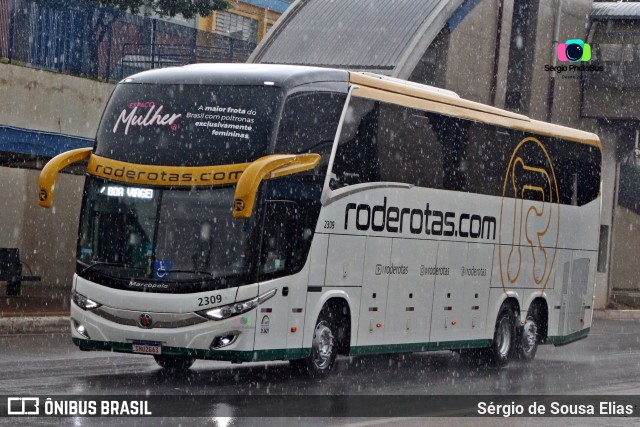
<point>616,314</point>
<point>33,324</point>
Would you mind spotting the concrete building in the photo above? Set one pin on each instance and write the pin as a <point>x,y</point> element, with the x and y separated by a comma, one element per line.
<point>612,99</point>
<point>247,20</point>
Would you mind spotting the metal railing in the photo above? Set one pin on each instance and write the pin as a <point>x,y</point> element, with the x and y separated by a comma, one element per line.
<point>145,56</point>
<point>105,43</point>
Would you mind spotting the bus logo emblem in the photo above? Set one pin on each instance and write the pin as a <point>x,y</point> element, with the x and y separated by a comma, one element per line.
<point>145,321</point>
<point>265,325</point>
<point>43,195</point>
<point>529,217</point>
<point>239,205</point>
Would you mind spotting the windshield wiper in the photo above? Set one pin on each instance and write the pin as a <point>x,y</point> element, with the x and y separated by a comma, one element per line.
<point>111,264</point>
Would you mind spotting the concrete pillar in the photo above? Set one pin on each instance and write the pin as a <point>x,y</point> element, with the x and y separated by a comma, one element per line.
<point>609,138</point>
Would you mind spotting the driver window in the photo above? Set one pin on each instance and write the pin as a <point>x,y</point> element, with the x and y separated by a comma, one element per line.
<point>280,237</point>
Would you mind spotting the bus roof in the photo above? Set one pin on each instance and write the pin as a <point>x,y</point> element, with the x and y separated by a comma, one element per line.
<point>285,76</point>
<point>480,112</point>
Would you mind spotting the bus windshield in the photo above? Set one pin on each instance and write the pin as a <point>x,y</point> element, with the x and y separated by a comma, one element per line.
<point>179,235</point>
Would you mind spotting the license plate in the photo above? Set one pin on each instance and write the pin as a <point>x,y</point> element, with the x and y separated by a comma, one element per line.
<point>146,347</point>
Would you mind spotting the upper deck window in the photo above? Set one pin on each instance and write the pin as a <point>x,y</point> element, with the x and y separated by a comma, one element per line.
<point>384,142</point>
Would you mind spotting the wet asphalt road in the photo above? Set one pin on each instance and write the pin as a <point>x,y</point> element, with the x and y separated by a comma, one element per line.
<point>607,362</point>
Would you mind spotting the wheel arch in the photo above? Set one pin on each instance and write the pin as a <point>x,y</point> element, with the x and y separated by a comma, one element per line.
<point>336,301</point>
<point>540,303</point>
<point>508,297</point>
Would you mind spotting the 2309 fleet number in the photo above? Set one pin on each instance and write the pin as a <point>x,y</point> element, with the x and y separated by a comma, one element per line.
<point>213,299</point>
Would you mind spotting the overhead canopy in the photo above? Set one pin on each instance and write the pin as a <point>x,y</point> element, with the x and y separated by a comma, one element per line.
<point>38,143</point>
<point>387,37</point>
<point>21,147</point>
<point>617,10</point>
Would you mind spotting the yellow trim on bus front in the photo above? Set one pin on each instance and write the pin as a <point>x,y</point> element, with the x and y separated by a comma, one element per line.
<point>247,175</point>
<point>267,167</point>
<point>168,176</point>
<point>47,180</point>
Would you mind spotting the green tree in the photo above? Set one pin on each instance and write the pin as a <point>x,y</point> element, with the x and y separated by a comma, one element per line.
<point>100,14</point>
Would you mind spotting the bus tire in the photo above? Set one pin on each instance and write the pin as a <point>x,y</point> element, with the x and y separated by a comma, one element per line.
<point>174,363</point>
<point>324,349</point>
<point>504,337</point>
<point>528,337</point>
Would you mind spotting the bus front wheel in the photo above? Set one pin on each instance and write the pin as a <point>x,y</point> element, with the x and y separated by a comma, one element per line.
<point>324,349</point>
<point>174,363</point>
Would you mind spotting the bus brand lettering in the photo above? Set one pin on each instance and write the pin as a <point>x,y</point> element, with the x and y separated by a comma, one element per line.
<point>134,175</point>
<point>152,117</point>
<point>391,269</point>
<point>134,284</point>
<point>419,221</point>
<point>473,271</point>
<point>434,271</point>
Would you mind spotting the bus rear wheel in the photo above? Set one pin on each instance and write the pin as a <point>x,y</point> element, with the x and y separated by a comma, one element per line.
<point>174,363</point>
<point>504,337</point>
<point>324,349</point>
<point>529,337</point>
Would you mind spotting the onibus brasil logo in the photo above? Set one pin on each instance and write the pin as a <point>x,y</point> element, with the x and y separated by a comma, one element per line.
<point>529,218</point>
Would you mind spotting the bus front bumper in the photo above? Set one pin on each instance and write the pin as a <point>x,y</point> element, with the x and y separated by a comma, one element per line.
<point>229,339</point>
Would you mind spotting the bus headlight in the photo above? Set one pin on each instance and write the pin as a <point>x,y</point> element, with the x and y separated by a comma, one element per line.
<point>224,340</point>
<point>230,310</point>
<point>84,302</point>
<point>81,329</point>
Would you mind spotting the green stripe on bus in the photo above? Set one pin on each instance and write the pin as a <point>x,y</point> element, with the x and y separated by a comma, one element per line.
<point>300,353</point>
<point>566,339</point>
<point>417,347</point>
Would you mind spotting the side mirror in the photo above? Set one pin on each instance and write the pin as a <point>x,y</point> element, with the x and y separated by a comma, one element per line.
<point>47,180</point>
<point>267,167</point>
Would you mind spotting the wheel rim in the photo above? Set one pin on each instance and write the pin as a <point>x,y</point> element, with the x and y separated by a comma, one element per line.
<point>322,345</point>
<point>529,336</point>
<point>504,336</point>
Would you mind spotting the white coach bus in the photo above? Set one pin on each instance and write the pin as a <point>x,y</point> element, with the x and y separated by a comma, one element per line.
<point>261,212</point>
